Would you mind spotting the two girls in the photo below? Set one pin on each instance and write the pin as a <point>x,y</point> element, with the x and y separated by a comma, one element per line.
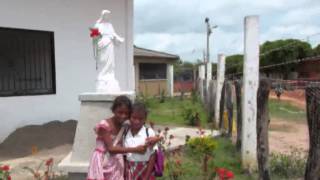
<point>107,162</point>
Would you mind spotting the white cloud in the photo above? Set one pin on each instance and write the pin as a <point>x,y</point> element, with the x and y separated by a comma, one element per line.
<point>178,26</point>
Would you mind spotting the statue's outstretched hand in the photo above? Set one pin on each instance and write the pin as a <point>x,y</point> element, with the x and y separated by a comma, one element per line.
<point>120,39</point>
<point>100,44</point>
<point>103,42</point>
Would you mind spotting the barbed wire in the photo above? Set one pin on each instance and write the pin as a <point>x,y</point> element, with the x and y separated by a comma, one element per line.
<point>311,58</point>
<point>307,38</point>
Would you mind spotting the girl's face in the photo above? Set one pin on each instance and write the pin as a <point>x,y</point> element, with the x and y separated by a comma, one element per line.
<point>121,113</point>
<point>137,120</point>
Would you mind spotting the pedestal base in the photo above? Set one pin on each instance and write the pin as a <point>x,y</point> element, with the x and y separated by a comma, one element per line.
<point>94,107</point>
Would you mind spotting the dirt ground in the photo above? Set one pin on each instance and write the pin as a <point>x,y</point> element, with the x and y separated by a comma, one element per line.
<point>296,97</point>
<point>285,136</point>
<point>50,140</point>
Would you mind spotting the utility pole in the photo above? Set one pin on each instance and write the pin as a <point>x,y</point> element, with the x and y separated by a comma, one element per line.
<point>207,58</point>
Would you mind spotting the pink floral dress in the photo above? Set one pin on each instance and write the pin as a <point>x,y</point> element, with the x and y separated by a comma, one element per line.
<point>103,165</point>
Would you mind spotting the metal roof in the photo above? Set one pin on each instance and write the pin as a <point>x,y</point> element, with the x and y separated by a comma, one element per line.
<point>142,52</point>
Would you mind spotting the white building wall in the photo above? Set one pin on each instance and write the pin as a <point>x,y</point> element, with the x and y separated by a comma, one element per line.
<point>75,67</point>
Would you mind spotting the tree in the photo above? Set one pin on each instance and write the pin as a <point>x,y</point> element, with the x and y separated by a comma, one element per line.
<point>234,64</point>
<point>280,51</point>
<point>316,50</point>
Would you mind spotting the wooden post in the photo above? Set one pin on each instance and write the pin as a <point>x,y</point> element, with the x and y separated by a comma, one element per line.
<point>221,109</point>
<point>237,85</point>
<point>229,105</point>
<point>262,129</point>
<point>250,89</point>
<point>313,114</point>
<point>213,99</point>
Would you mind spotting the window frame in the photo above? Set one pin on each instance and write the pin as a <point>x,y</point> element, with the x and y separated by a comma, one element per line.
<point>31,92</point>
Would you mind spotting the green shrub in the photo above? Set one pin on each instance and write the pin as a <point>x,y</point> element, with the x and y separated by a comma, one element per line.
<point>194,96</point>
<point>288,165</point>
<point>202,145</point>
<point>190,115</point>
<point>162,96</point>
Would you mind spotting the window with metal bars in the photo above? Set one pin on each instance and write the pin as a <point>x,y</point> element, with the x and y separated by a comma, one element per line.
<point>153,71</point>
<point>27,63</point>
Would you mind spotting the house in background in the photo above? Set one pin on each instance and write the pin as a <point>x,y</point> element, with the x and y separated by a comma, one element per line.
<point>184,79</point>
<point>154,72</point>
<point>309,69</point>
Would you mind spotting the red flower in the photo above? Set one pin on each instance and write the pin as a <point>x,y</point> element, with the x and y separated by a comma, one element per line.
<point>220,171</point>
<point>94,33</point>
<point>229,175</point>
<point>5,168</point>
<point>9,178</point>
<point>49,162</point>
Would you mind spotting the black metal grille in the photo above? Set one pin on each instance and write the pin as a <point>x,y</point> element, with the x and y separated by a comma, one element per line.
<point>153,70</point>
<point>26,62</point>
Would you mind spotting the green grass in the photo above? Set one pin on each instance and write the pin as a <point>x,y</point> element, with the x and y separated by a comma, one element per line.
<point>171,111</point>
<point>225,156</point>
<point>286,111</point>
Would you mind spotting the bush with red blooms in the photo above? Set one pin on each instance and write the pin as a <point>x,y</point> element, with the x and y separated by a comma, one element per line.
<point>39,174</point>
<point>5,172</point>
<point>224,174</point>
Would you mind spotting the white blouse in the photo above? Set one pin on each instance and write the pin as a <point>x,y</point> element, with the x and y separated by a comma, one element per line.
<point>136,140</point>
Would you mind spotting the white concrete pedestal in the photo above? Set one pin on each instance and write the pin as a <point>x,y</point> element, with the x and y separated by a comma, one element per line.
<point>94,107</point>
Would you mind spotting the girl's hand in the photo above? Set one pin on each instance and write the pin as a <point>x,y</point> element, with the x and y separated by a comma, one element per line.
<point>151,141</point>
<point>141,149</point>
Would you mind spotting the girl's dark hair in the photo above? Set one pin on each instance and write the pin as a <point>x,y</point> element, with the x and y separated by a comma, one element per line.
<point>139,107</point>
<point>121,101</point>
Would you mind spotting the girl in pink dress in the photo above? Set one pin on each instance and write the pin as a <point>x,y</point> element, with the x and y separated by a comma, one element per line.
<point>107,161</point>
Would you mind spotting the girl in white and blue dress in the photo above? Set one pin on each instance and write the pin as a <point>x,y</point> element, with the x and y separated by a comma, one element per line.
<point>140,166</point>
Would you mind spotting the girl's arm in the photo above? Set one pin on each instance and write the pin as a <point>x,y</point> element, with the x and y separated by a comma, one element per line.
<point>151,141</point>
<point>107,138</point>
<point>152,161</point>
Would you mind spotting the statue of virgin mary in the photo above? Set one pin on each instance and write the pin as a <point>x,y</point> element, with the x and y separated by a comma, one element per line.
<point>106,81</point>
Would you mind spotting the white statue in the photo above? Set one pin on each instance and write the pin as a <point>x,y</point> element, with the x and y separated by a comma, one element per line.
<point>103,45</point>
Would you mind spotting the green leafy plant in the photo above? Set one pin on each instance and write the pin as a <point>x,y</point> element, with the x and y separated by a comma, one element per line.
<point>47,173</point>
<point>5,172</point>
<point>288,165</point>
<point>202,147</point>
<point>194,96</point>
<point>162,96</point>
<point>190,116</point>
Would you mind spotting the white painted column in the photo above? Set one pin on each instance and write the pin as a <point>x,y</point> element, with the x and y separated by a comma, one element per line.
<point>201,72</point>
<point>137,78</point>
<point>219,85</point>
<point>250,88</point>
<point>209,75</point>
<point>170,79</point>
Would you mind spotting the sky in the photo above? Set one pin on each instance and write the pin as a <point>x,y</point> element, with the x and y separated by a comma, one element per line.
<point>178,27</point>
